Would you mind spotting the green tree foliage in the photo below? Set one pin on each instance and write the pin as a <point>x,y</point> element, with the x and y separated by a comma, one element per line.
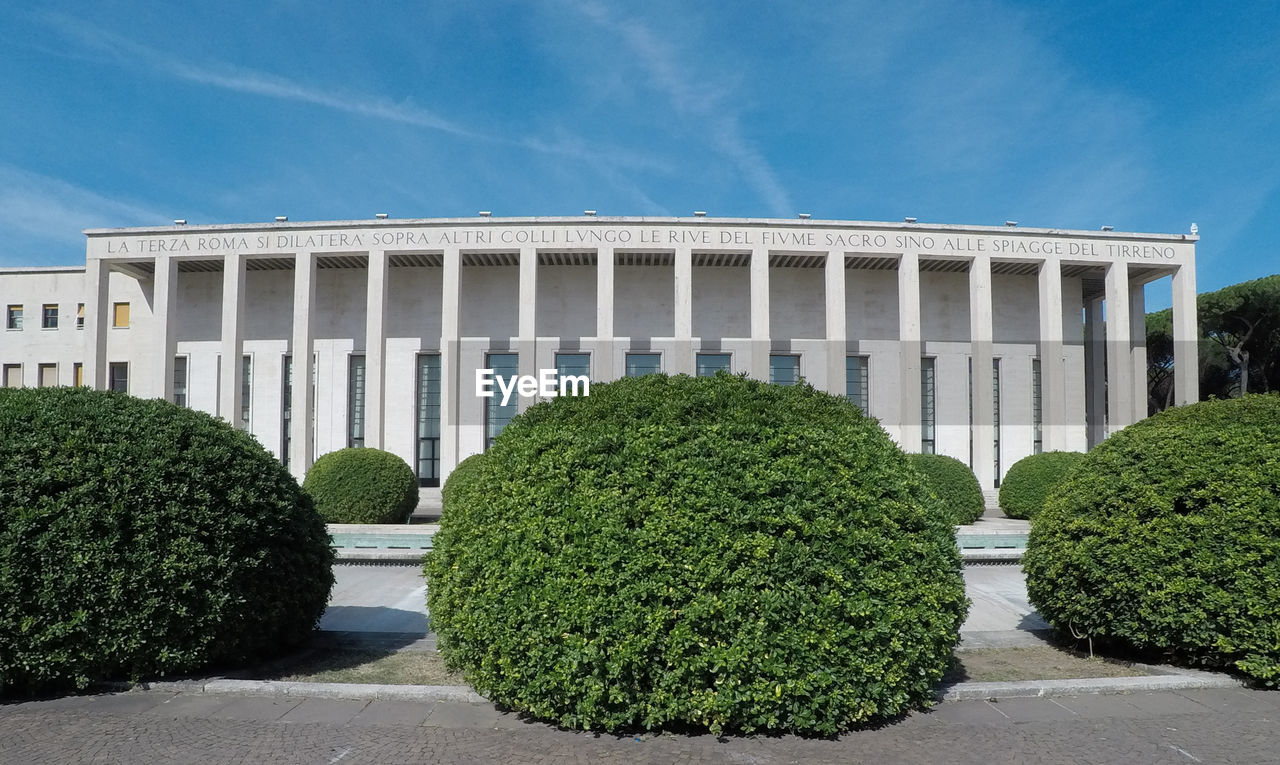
<point>954,484</point>
<point>715,552</point>
<point>1166,538</point>
<point>1031,479</point>
<point>140,539</point>
<point>362,486</point>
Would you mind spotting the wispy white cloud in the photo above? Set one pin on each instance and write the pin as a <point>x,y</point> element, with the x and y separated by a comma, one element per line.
<point>670,75</point>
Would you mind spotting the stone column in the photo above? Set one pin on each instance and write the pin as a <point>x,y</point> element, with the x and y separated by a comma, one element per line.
<point>1095,370</point>
<point>981,352</point>
<point>1186,351</point>
<point>452,385</point>
<point>166,342</point>
<point>909,349</point>
<point>526,344</point>
<point>230,399</point>
<point>1119,358</point>
<point>1053,370</point>
<point>97,304</point>
<point>606,345</point>
<point>760,314</point>
<point>375,344</point>
<point>301,350</point>
<point>835,324</point>
<point>1138,352</point>
<point>683,306</point>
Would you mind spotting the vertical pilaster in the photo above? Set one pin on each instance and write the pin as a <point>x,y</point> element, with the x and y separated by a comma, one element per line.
<point>835,323</point>
<point>1053,372</point>
<point>1119,359</point>
<point>97,303</point>
<point>301,392</point>
<point>1186,353</point>
<point>981,351</point>
<point>683,305</point>
<point>451,382</point>
<point>606,344</point>
<point>166,338</point>
<point>1138,352</point>
<point>526,345</point>
<point>760,314</point>
<point>909,350</point>
<point>233,276</point>
<point>375,345</point>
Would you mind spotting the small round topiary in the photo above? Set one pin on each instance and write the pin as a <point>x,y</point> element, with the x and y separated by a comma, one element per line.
<point>142,539</point>
<point>1031,479</point>
<point>1166,539</point>
<point>954,484</point>
<point>362,486</point>
<point>716,552</point>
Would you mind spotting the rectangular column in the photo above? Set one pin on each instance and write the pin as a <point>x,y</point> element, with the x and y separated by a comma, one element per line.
<point>166,337</point>
<point>97,279</point>
<point>233,276</point>
<point>606,345</point>
<point>682,363</point>
<point>1186,351</point>
<point>1119,360</point>
<point>835,323</point>
<point>760,314</point>
<point>527,345</point>
<point>1138,352</point>
<point>1053,370</point>
<point>302,352</point>
<point>452,386</point>
<point>375,345</point>
<point>1095,373</point>
<point>909,350</point>
<point>981,351</point>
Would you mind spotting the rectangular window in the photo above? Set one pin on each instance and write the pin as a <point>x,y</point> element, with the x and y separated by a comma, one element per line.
<point>709,363</point>
<point>79,315</point>
<point>573,365</point>
<point>77,374</point>
<point>640,364</point>
<point>48,375</point>
<point>12,375</point>
<point>1037,409</point>
<point>355,400</point>
<point>428,419</point>
<point>49,316</point>
<point>118,376</point>
<point>505,366</point>
<point>286,408</point>
<point>246,393</point>
<point>180,380</point>
<point>784,369</point>
<point>13,317</point>
<point>120,316</point>
<point>857,386</point>
<point>995,412</point>
<point>928,407</point>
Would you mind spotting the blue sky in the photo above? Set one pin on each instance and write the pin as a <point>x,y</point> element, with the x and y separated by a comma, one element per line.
<point>1146,116</point>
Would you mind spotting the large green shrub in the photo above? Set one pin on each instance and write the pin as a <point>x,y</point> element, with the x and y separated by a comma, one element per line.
<point>1031,479</point>
<point>708,551</point>
<point>362,486</point>
<point>1166,538</point>
<point>140,539</point>
<point>954,484</point>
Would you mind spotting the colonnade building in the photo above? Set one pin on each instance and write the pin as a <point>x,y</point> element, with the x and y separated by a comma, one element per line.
<point>983,343</point>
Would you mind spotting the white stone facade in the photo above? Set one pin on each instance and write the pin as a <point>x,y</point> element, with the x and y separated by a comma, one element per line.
<point>407,297</point>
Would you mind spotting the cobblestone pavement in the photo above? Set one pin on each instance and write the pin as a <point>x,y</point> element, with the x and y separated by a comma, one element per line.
<point>1201,726</point>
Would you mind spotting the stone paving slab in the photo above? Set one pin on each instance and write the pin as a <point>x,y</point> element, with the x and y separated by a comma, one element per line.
<point>396,713</point>
<point>329,711</point>
<point>256,708</point>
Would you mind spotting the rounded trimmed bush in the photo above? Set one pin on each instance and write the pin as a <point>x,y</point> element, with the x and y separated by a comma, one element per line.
<point>1031,479</point>
<point>362,486</point>
<point>954,484</point>
<point>142,539</point>
<point>715,552</point>
<point>1166,539</point>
